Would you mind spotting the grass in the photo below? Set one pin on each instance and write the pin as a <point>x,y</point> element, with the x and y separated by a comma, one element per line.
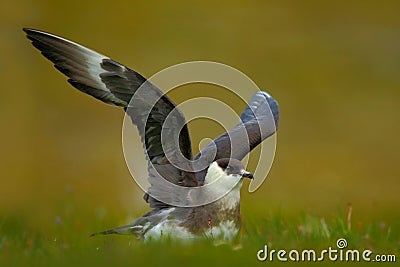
<point>66,242</point>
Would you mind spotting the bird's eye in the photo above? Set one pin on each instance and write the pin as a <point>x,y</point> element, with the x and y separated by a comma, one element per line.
<point>228,168</point>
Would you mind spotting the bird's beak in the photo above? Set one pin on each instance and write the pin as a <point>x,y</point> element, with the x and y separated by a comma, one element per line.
<point>247,174</point>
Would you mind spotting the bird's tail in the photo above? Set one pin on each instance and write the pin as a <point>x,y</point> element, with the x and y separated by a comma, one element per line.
<point>136,230</point>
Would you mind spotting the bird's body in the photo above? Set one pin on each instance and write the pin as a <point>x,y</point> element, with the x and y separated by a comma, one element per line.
<point>192,196</point>
<point>219,220</point>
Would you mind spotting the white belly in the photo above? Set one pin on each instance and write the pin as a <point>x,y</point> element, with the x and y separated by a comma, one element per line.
<point>170,230</point>
<point>225,231</point>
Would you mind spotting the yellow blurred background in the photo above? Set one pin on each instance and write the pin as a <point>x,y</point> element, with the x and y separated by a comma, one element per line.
<point>332,66</point>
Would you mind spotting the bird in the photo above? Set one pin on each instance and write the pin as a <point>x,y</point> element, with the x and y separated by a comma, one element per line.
<point>191,197</point>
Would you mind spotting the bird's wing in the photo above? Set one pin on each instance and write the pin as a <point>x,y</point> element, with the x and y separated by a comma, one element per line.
<point>113,83</point>
<point>258,121</point>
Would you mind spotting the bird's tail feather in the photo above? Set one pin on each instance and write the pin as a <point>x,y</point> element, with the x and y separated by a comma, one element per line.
<point>136,230</point>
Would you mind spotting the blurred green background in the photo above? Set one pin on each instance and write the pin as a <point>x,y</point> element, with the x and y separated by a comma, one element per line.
<point>333,67</point>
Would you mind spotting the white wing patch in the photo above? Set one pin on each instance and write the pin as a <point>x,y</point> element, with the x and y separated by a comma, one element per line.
<point>92,59</point>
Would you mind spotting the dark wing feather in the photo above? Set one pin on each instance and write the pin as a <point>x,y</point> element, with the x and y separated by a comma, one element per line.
<point>258,121</point>
<point>113,83</point>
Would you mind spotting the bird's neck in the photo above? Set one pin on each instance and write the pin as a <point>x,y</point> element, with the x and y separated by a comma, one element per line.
<point>217,182</point>
<point>230,201</point>
<point>214,173</point>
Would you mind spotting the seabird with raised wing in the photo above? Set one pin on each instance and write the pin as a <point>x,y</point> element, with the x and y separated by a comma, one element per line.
<point>209,203</point>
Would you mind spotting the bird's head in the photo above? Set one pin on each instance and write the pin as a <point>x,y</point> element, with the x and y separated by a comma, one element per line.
<point>227,168</point>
